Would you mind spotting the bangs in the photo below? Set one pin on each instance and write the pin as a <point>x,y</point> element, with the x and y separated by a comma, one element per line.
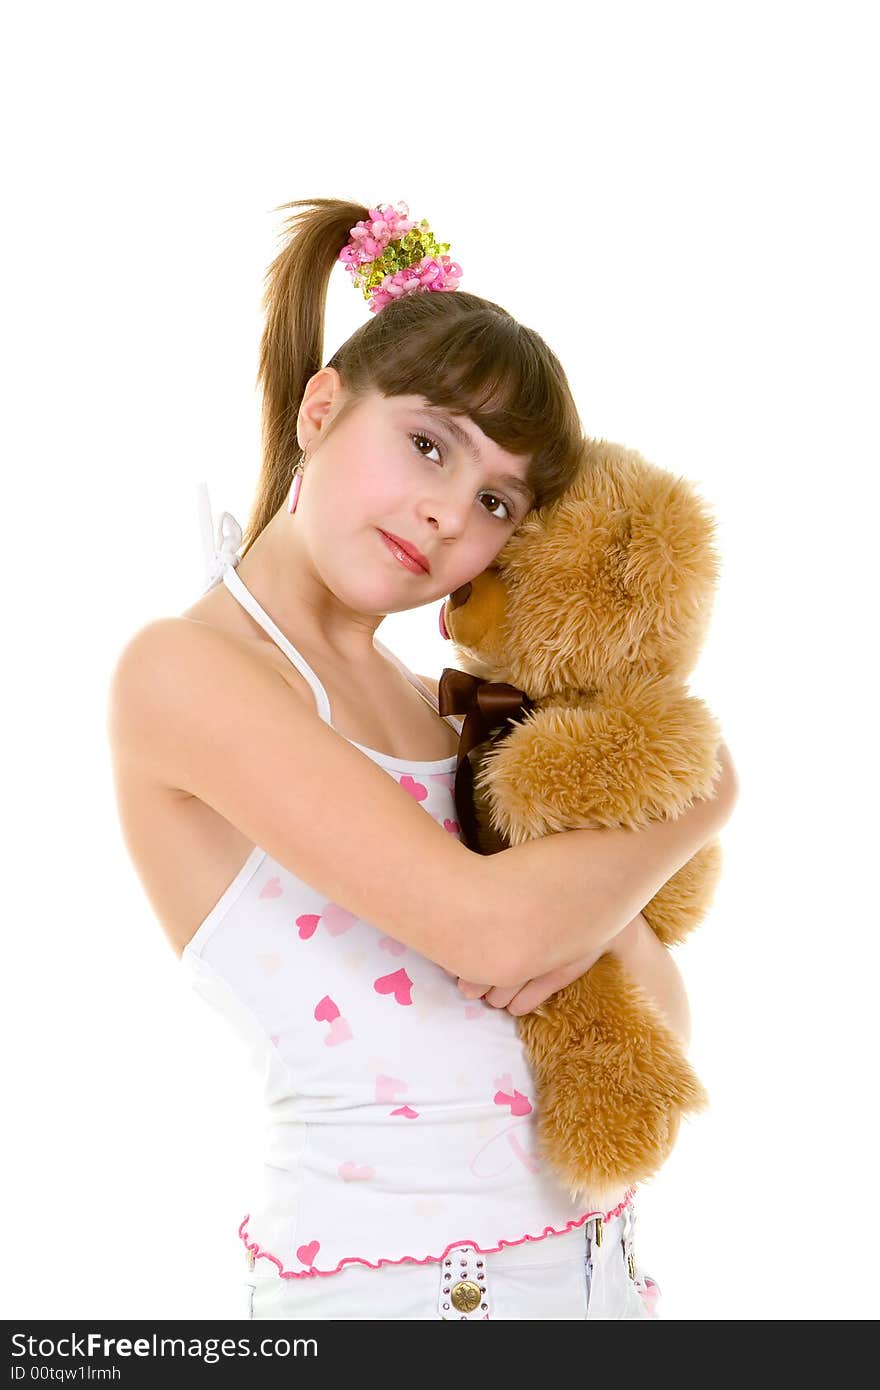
<point>453,350</point>
<point>476,360</point>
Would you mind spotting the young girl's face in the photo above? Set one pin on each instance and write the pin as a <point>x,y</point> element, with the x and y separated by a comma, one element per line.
<point>395,465</point>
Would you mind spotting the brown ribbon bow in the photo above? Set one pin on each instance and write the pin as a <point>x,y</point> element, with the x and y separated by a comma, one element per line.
<point>487,705</point>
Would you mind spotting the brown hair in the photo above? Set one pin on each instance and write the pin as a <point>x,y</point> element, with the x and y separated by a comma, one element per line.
<point>455,349</point>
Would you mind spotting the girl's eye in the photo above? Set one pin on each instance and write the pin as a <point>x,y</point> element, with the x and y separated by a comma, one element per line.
<point>509,510</point>
<point>429,440</point>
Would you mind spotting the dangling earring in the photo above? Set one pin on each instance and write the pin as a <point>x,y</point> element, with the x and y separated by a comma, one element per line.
<point>296,485</point>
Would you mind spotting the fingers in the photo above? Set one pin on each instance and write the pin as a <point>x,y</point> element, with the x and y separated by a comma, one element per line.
<point>471,990</point>
<point>525,1000</point>
<point>535,992</point>
<point>499,996</point>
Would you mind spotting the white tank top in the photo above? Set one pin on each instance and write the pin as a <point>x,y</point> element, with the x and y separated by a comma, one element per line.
<point>400,1117</point>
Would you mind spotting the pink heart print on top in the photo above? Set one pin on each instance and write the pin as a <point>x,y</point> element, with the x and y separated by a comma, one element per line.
<point>407,1112</point>
<point>326,1010</point>
<point>307,1253</point>
<point>271,888</point>
<point>335,918</point>
<point>393,947</point>
<point>518,1103</point>
<point>416,789</point>
<point>452,826</point>
<point>350,1172</point>
<point>385,1088</point>
<point>446,779</point>
<point>340,1032</point>
<point>508,1095</point>
<point>399,984</point>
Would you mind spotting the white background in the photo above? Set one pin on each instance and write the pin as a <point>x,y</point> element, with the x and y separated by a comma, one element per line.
<point>678,197</point>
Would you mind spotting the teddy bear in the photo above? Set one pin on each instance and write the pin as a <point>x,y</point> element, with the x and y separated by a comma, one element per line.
<point>573,652</point>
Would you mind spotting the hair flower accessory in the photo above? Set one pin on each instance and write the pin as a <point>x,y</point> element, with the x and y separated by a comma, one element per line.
<point>389,255</point>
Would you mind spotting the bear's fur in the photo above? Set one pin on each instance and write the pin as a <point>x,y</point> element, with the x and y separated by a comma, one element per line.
<point>596,609</point>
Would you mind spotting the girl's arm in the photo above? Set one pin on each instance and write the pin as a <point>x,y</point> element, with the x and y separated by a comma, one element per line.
<point>192,710</point>
<point>603,878</point>
<point>647,961</point>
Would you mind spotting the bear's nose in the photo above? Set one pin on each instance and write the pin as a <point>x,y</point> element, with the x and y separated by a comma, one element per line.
<point>460,595</point>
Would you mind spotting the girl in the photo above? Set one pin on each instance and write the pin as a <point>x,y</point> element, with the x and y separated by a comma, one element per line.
<point>274,762</point>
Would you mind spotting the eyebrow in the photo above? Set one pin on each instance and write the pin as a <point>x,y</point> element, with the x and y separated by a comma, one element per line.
<point>464,439</point>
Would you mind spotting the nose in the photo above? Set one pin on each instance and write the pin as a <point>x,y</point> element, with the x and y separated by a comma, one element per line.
<point>460,595</point>
<point>448,512</point>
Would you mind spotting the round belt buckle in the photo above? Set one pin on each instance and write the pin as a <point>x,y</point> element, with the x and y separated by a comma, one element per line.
<point>463,1284</point>
<point>465,1296</point>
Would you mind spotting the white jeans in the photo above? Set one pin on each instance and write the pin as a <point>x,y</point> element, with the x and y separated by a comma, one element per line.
<point>588,1272</point>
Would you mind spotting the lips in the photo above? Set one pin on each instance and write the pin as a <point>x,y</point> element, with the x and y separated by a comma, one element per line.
<point>411,550</point>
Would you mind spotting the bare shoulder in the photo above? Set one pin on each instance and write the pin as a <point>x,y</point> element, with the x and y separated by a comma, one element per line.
<point>169,664</point>
<point>192,709</point>
<point>178,637</point>
<point>145,660</point>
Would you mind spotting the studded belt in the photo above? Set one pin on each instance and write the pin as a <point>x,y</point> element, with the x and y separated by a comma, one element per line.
<point>464,1287</point>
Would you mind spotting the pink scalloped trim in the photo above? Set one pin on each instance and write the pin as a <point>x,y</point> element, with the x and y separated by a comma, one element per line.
<point>259,1254</point>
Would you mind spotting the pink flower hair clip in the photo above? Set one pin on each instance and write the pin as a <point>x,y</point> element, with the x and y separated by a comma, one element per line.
<point>388,255</point>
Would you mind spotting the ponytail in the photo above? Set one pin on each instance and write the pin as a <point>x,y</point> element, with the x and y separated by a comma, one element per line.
<point>292,345</point>
<point>455,349</point>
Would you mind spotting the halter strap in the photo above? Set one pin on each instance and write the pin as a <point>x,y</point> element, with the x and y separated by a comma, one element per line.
<point>220,546</point>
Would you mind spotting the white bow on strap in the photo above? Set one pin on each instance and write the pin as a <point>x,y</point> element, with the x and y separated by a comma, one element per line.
<point>220,550</point>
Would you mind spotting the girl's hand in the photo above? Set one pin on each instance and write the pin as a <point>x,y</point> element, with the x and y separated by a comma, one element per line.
<point>523,998</point>
<point>499,996</point>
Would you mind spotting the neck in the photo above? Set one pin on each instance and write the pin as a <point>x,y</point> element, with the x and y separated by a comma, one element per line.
<point>279,572</point>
